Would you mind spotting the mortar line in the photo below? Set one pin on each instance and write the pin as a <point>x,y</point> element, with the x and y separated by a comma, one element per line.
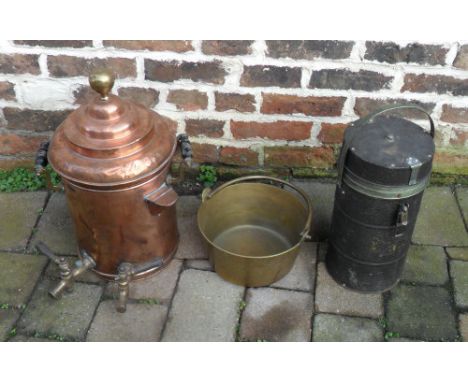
<point>101,298</point>
<point>314,291</point>
<point>169,305</point>
<point>457,201</point>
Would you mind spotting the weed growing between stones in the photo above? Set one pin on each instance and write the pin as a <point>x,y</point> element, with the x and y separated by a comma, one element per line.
<point>207,175</point>
<point>24,179</point>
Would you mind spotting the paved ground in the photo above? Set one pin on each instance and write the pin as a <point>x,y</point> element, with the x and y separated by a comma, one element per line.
<point>188,302</point>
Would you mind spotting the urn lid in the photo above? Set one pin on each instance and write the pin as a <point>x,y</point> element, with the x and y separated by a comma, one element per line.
<point>389,150</point>
<point>111,141</point>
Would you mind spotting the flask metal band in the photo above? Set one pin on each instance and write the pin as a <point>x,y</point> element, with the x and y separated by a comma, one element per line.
<point>380,191</point>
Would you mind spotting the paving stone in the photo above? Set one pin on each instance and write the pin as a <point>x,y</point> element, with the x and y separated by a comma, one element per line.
<point>22,338</point>
<point>187,206</point>
<point>426,264</point>
<point>19,212</point>
<point>458,253</point>
<point>8,318</point>
<point>205,308</point>
<point>333,328</point>
<point>422,312</point>
<point>463,322</point>
<point>302,274</point>
<point>322,196</point>
<point>203,265</point>
<point>322,251</point>
<point>141,322</point>
<point>68,317</point>
<point>159,286</point>
<point>276,315</point>
<point>462,196</point>
<point>52,272</point>
<point>18,276</point>
<point>331,297</point>
<point>401,339</point>
<point>191,245</point>
<point>56,227</point>
<point>459,273</point>
<point>439,221</point>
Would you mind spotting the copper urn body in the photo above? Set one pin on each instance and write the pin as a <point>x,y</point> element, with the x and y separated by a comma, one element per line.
<point>114,156</point>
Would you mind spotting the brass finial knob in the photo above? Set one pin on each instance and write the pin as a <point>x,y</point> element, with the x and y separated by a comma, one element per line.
<point>102,80</point>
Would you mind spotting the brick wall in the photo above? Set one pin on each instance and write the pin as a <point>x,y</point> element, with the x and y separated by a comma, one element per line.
<point>272,104</point>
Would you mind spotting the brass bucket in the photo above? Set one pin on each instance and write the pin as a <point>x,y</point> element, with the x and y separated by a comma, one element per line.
<point>254,231</point>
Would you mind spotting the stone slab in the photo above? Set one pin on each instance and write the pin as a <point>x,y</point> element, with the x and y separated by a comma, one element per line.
<point>439,221</point>
<point>187,206</point>
<point>140,322</point>
<point>55,227</point>
<point>205,308</point>
<point>462,196</point>
<point>22,338</point>
<point>333,328</point>
<point>421,312</point>
<point>302,275</point>
<point>203,265</point>
<point>8,318</point>
<point>276,315</point>
<point>159,286</point>
<point>191,245</point>
<point>459,273</point>
<point>18,276</point>
<point>322,196</point>
<point>331,297</point>
<point>19,212</point>
<point>426,264</point>
<point>463,324</point>
<point>68,317</point>
<point>458,253</point>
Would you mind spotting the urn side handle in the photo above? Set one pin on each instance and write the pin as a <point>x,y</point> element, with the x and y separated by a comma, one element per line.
<point>164,196</point>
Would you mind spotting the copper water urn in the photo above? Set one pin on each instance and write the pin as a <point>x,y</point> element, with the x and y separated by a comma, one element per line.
<point>114,156</point>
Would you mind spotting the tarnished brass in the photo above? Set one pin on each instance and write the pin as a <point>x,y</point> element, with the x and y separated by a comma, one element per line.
<point>102,81</point>
<point>126,272</point>
<point>253,231</point>
<point>67,275</point>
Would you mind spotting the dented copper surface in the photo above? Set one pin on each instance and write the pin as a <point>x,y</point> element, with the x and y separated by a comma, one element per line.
<point>114,156</point>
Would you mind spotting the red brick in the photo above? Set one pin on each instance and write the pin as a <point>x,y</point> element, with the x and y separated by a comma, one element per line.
<point>188,100</point>
<point>347,79</point>
<point>12,144</point>
<point>8,163</point>
<point>152,45</point>
<point>56,43</point>
<point>169,71</point>
<point>83,94</point>
<point>461,61</point>
<point>231,101</point>
<point>392,53</point>
<point>71,66</point>
<point>365,106</point>
<point>289,156</point>
<point>19,63</point>
<point>263,75</point>
<point>451,163</point>
<point>227,47</point>
<point>207,127</point>
<point>459,137</point>
<point>33,120</point>
<point>291,104</point>
<point>454,114</point>
<point>424,83</point>
<point>238,156</point>
<point>7,91</point>
<point>204,153</point>
<point>147,97</point>
<point>309,49</point>
<point>284,130</point>
<point>331,133</point>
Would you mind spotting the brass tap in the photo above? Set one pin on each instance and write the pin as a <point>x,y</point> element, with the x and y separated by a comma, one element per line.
<point>125,275</point>
<point>67,275</point>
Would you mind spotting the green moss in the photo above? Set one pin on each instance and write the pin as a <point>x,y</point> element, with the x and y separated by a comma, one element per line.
<point>25,179</point>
